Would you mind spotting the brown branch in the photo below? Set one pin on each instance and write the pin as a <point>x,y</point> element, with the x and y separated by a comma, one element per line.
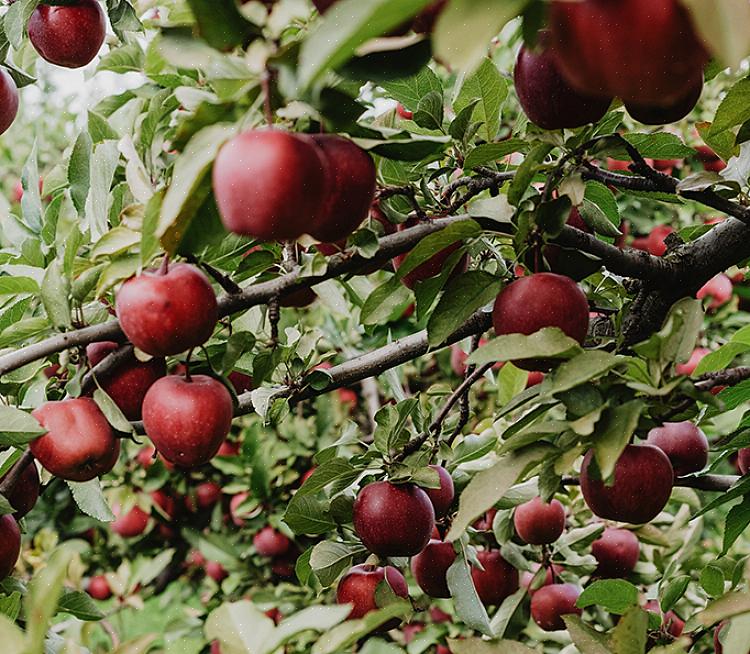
<point>104,369</point>
<point>716,483</point>
<point>227,284</point>
<point>729,377</point>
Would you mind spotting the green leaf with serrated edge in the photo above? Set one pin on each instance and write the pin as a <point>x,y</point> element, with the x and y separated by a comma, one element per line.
<point>112,412</point>
<point>434,243</point>
<point>660,145</point>
<point>736,522</point>
<point>602,196</point>
<point>55,294</point>
<point>673,591</point>
<point>468,606</point>
<point>16,20</point>
<point>334,470</point>
<point>489,86</point>
<point>461,122</point>
<point>613,433</point>
<point>526,172</point>
<point>492,152</point>
<point>548,343</point>
<point>306,515</point>
<point>125,59</point>
<point>712,580</point>
<point>613,595</point>
<point>502,618</point>
<point>90,499</point>
<point>381,304</point>
<point>80,605</point>
<point>390,433</point>
<point>328,560</point>
<point>78,170</point>
<point>630,634</point>
<point>410,90</point>
<point>585,638</point>
<point>18,427</point>
<point>586,366</point>
<point>429,113</point>
<point>739,489</point>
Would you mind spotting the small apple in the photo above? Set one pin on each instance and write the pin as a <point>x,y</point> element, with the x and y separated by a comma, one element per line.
<point>10,545</point>
<point>719,289</point>
<point>441,498</point>
<point>617,552</point>
<point>743,460</point>
<point>165,502</point>
<point>688,368</point>
<point>539,523</point>
<point>358,588</point>
<point>550,603</point>
<point>300,299</point>
<point>430,567</point>
<point>534,379</point>
<point>207,495</point>
<point>98,588</point>
<point>130,524</point>
<point>229,448</point>
<point>498,580</point>
<point>403,112</point>
<point>271,543</point>
<point>655,240</point>
<point>685,445</point>
<point>25,493</point>
<point>710,160</point>
<point>242,383</point>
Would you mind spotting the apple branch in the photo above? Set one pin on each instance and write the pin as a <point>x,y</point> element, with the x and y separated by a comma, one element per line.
<point>715,483</point>
<point>729,377</point>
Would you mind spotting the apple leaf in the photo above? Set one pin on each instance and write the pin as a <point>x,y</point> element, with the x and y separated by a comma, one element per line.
<point>489,152</point>
<point>16,20</point>
<point>630,634</point>
<point>240,627</point>
<point>736,522</point>
<point>547,343</point>
<point>79,605</point>
<point>410,90</point>
<point>586,639</point>
<point>90,499</point>
<point>613,433</point>
<point>613,595</point>
<point>221,24</point>
<point>468,606</point>
<point>18,427</point>
<point>491,89</point>
<point>476,646</point>
<point>329,559</point>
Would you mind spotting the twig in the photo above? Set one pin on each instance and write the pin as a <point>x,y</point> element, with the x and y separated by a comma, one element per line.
<point>226,282</point>
<point>729,377</point>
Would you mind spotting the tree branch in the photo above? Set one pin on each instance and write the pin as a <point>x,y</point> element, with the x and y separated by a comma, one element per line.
<point>717,483</point>
<point>729,377</point>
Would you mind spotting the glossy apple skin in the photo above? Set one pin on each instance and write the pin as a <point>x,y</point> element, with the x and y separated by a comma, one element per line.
<point>719,289</point>
<point>98,588</point>
<point>271,543</point>
<point>655,240</point>
<point>187,420</point>
<point>550,603</point>
<point>207,495</point>
<point>130,524</point>
<point>393,520</point>
<point>270,184</point>
<point>69,36</point>
<point>541,300</point>
<point>642,485</point>
<point>547,98</point>
<point>8,103</point>
<point>430,567</point>
<point>617,552</point>
<point>359,585</point>
<point>441,498</point>
<point>351,188</point>
<point>79,444</point>
<point>498,580</point>
<point>165,314</point>
<point>688,368</point>
<point>127,386</point>
<point>25,493</point>
<point>539,523</point>
<point>241,382</point>
<point>650,114</point>
<point>643,51</point>
<point>685,445</point>
<point>10,545</point>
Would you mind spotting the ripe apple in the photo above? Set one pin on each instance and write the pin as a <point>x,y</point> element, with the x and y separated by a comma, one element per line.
<point>284,566</point>
<point>658,114</point>
<point>167,313</point>
<point>165,502</point>
<point>130,524</point>
<point>271,543</point>
<point>671,622</point>
<point>441,498</point>
<point>743,460</point>
<point>550,603</point>
<point>300,299</point>
<point>710,160</point>
<point>547,98</point>
<point>498,580</point>
<point>666,166</point>
<point>10,545</point>
<point>539,523</point>
<point>215,647</point>
<point>617,552</point>
<point>549,578</point>
<point>655,241</point>
<point>207,495</point>
<point>393,520</point>
<point>68,35</point>
<point>685,445</point>
<point>643,479</point>
<point>128,384</point>
<point>430,567</point>
<point>8,103</point>
<point>534,379</point>
<point>358,587</point>
<point>270,184</point>
<point>541,300</point>
<point>643,51</point>
<point>25,492</point>
<point>79,444</point>
<point>719,289</point>
<point>234,503</point>
<point>216,571</point>
<point>696,357</point>
<point>187,419</point>
<point>98,588</point>
<point>425,20</point>
<point>439,616</point>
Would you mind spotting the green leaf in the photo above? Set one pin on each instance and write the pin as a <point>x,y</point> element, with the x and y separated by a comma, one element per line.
<point>112,412</point>
<point>56,295</point>
<point>100,129</point>
<point>125,59</point>
<point>585,638</point>
<point>11,636</point>
<point>221,23</point>
<point>613,433</point>
<point>306,515</point>
<point>659,145</point>
<point>380,305</point>
<point>736,522</point>
<point>712,580</point>
<point>429,113</point>
<point>489,152</point>
<point>586,366</point>
<point>491,88</point>
<point>434,243</point>
<point>31,202</point>
<point>80,605</point>
<point>312,618</point>
<point>18,286</point>
<point>461,122</point>
<point>526,172</point>
<point>329,559</point>
<point>410,90</point>
<point>476,646</point>
<point>468,606</point>
<point>18,427</point>
<point>78,170</point>
<point>239,627</point>
<point>613,595</point>
<point>386,65</point>
<point>673,591</point>
<point>630,634</point>
<point>390,433</point>
<point>16,20</point>
<point>90,499</point>
<point>337,469</point>
<point>547,343</point>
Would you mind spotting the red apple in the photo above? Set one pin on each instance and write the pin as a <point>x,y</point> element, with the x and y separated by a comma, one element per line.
<point>425,20</point>
<point>242,383</point>
<point>216,571</point>
<point>498,580</point>
<point>696,357</point>
<point>79,444</point>
<point>655,241</point>
<point>98,588</point>
<point>743,460</point>
<point>271,543</point>
<point>187,419</point>
<point>165,502</point>
<point>215,647</point>
<point>666,166</point>
<point>393,520</point>
<point>270,184</point>
<point>710,160</point>
<point>658,114</point>
<point>685,445</point>
<point>439,616</point>
<point>441,498</point>
<point>68,35</point>
<point>430,567</point>
<point>719,289</point>
<point>539,523</point>
<point>534,379</point>
<point>358,587</point>
<point>671,622</point>
<point>527,578</point>
<point>617,552</point>
<point>207,495</point>
<point>550,603</point>
<point>8,104</point>
<point>167,313</point>
<point>24,494</point>
<point>10,545</point>
<point>300,299</point>
<point>564,261</point>
<point>229,448</point>
<point>642,485</point>
<point>145,456</point>
<point>234,503</point>
<point>128,384</point>
<point>130,524</point>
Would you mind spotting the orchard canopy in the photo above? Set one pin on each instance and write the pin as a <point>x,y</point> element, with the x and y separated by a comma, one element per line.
<point>375,326</point>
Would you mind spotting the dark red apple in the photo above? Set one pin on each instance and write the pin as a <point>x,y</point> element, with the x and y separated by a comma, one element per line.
<point>207,495</point>
<point>672,623</point>
<point>430,566</point>
<point>542,300</point>
<point>425,20</point>
<point>130,524</point>
<point>358,587</point>
<point>643,479</point>
<point>271,543</point>
<point>688,368</point>
<point>655,242</point>
<point>550,603</point>
<point>167,313</point>
<point>24,494</point>
<point>498,580</point>
<point>98,588</point>
<point>547,98</point>
<point>128,384</point>
<point>403,112</point>
<point>441,498</point>
<point>270,184</point>
<point>658,114</point>
<point>565,261</point>
<point>539,523</point>
<point>685,445</point>
<point>393,520</point>
<point>79,444</point>
<point>68,35</point>
<point>643,51</point>
<point>300,299</point>
<point>187,419</point>
<point>8,105</point>
<point>242,383</point>
<point>527,578</point>
<point>534,379</point>
<point>617,552</point>
<point>719,289</point>
<point>10,545</point>
<point>710,160</point>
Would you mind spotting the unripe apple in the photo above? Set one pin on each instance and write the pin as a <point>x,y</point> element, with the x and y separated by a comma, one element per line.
<point>643,479</point>
<point>271,543</point>
<point>128,384</point>
<point>498,580</point>
<point>187,419</point>
<point>8,104</point>
<point>98,588</point>
<point>617,552</point>
<point>539,523</point>
<point>216,571</point>
<point>10,545</point>
<point>441,498</point>
<point>550,603</point>
<point>68,35</point>
<point>167,313</point>
<point>393,520</point>
<point>130,524</point>
<point>358,587</point>
<point>657,114</point>
<point>430,567</point>
<point>547,98</point>
<point>79,444</point>
<point>685,445</point>
<point>25,493</point>
<point>688,368</point>
<point>270,184</point>
<point>234,503</point>
<point>541,300</point>
<point>672,623</point>
<point>655,241</point>
<point>719,288</point>
<point>527,577</point>
<point>710,160</point>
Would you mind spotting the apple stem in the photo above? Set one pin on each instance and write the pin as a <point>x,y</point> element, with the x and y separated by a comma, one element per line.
<point>265,82</point>
<point>188,378</point>
<point>164,268</point>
